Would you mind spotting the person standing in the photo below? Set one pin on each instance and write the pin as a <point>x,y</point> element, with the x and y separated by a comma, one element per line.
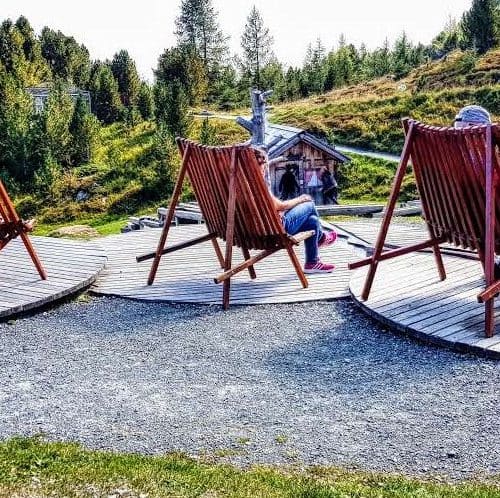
<point>330,186</point>
<point>288,186</point>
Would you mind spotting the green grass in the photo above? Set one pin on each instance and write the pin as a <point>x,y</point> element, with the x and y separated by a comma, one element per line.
<point>36,468</point>
<point>369,114</point>
<point>105,225</point>
<point>133,170</point>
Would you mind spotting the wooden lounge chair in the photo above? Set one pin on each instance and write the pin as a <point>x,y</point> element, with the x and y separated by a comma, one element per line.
<point>237,208</point>
<point>457,175</point>
<point>12,226</point>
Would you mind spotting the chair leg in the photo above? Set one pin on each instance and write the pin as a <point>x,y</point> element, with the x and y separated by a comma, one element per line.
<point>34,256</point>
<point>251,269</point>
<point>439,262</point>
<point>489,318</point>
<point>298,268</point>
<point>225,293</point>
<point>218,252</point>
<point>369,281</point>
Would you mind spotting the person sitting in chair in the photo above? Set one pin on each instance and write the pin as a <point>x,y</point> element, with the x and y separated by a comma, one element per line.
<point>472,115</point>
<point>299,215</point>
<point>475,115</point>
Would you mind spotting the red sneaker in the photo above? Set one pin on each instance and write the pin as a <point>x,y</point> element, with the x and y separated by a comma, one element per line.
<point>328,239</point>
<point>318,267</point>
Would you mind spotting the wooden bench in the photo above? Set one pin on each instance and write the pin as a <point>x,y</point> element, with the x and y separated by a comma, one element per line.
<point>237,208</point>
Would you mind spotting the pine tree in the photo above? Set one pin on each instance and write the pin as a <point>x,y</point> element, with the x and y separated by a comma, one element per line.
<point>402,54</point>
<point>292,83</point>
<point>34,67</point>
<point>16,114</point>
<point>197,27</point>
<point>20,53</point>
<point>183,64</point>
<point>106,103</point>
<point>145,103</point>
<point>480,25</point>
<point>272,77</point>
<point>171,106</point>
<point>67,59</point>
<point>382,63</point>
<point>84,129</point>
<point>447,40</point>
<point>256,43</point>
<point>208,135</point>
<point>125,73</point>
<point>57,114</point>
<point>314,70</point>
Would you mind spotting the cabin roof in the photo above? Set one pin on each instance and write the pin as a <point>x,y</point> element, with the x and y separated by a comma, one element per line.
<point>280,138</point>
<point>44,91</point>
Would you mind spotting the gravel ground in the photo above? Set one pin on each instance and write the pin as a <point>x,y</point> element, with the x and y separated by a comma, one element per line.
<point>303,384</point>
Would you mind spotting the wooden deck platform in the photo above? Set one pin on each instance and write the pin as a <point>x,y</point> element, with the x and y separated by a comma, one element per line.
<point>71,266</point>
<point>408,296</point>
<point>187,276</point>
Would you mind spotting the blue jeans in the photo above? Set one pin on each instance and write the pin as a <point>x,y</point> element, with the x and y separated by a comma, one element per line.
<point>301,218</point>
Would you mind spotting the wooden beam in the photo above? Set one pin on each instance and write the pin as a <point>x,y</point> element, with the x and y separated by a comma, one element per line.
<point>177,247</point>
<point>231,208</point>
<point>396,252</point>
<point>224,277</point>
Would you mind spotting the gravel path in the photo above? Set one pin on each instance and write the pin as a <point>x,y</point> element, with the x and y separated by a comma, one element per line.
<point>308,384</point>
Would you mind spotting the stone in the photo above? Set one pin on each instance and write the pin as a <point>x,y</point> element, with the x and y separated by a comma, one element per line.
<point>82,195</point>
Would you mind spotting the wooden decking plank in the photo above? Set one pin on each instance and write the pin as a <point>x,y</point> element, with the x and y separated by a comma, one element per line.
<point>187,276</point>
<point>437,297</point>
<point>70,267</point>
<point>446,313</point>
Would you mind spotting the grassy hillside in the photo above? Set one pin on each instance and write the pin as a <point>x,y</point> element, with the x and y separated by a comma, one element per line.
<point>368,115</point>
<point>134,168</point>
<point>132,172</point>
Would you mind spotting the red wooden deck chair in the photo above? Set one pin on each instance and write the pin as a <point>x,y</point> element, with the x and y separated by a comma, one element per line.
<point>12,226</point>
<point>457,175</point>
<point>237,208</point>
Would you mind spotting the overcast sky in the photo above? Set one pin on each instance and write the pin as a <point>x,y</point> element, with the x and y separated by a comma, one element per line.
<point>145,28</point>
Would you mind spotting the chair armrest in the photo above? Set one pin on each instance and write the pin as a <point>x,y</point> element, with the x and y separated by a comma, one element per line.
<point>301,236</point>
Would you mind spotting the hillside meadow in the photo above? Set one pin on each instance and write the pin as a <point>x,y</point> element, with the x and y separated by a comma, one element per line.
<point>134,167</point>
<point>369,115</point>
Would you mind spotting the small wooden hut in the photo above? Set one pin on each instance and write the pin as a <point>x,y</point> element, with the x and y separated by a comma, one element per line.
<point>306,154</point>
<point>301,151</point>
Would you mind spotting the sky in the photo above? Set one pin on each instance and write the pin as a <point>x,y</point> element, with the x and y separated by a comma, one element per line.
<point>145,28</point>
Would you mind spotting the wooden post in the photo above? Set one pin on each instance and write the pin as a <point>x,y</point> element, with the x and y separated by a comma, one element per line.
<point>170,215</point>
<point>489,250</point>
<point>231,206</point>
<point>251,269</point>
<point>396,187</point>
<point>257,125</point>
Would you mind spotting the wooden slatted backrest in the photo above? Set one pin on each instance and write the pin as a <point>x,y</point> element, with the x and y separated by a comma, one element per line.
<point>449,166</point>
<point>256,222</point>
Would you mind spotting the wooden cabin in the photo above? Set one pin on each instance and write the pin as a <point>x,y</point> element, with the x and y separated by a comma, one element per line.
<point>40,95</point>
<point>306,154</point>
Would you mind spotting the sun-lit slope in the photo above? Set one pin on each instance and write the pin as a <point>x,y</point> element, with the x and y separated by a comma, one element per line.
<point>369,114</point>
